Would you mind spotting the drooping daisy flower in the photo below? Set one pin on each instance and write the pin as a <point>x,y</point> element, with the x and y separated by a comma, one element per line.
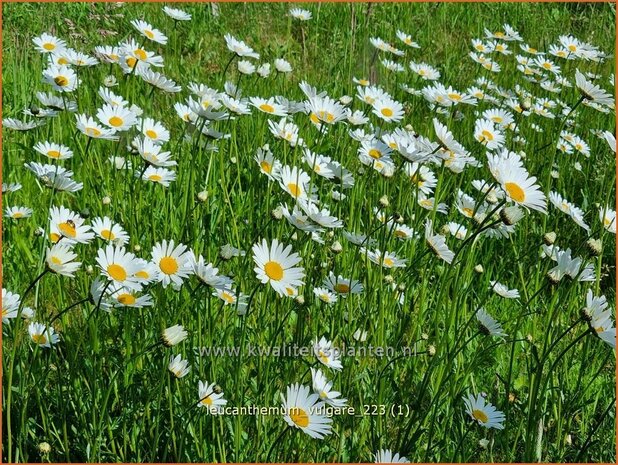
<point>239,47</point>
<point>173,262</point>
<point>437,242</point>
<point>43,336</point>
<point>178,367</point>
<point>384,259</point>
<point>597,313</point>
<point>323,388</point>
<point>488,325</point>
<point>300,14</point>
<point>327,354</point>
<point>302,410</point>
<point>275,265</point>
<point>386,456</point>
<point>483,412</point>
<point>608,219</point>
<point>208,274</point>
<point>503,291</point>
<point>211,397</point>
<point>159,81</point>
<point>59,259</point>
<point>176,14</point>
<point>10,305</point>
<point>592,92</point>
<point>173,335</point>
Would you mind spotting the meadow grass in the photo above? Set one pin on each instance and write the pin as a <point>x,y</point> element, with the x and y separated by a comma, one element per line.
<point>104,392</point>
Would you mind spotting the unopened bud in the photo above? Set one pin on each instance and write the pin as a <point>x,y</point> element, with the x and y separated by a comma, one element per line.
<point>202,196</point>
<point>549,238</point>
<point>384,201</point>
<point>336,247</point>
<point>106,200</point>
<point>479,268</point>
<point>595,246</point>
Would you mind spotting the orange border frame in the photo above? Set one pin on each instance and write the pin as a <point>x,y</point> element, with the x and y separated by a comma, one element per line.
<point>298,1</point>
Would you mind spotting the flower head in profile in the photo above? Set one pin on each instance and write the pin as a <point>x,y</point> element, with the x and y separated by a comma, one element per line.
<point>173,335</point>
<point>327,354</point>
<point>211,397</point>
<point>386,456</point>
<point>300,14</point>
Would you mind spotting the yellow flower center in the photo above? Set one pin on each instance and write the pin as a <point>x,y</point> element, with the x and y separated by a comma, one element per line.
<point>229,298</point>
<point>18,215</point>
<point>141,54</point>
<point>486,135</point>
<point>207,401</point>
<point>142,274</point>
<point>56,261</point>
<point>67,229</point>
<point>375,154</point>
<point>266,167</point>
<point>386,112</point>
<point>53,154</point>
<point>39,339</point>
<point>267,108</point>
<point>126,299</point>
<point>294,189</point>
<point>363,82</point>
<point>53,237</point>
<point>155,177</point>
<point>63,61</point>
<point>169,265</point>
<point>117,272</point>
<point>515,192</point>
<point>342,288</point>
<point>131,62</point>
<point>93,132</point>
<point>108,235</point>
<point>61,81</point>
<point>480,416</point>
<point>273,270</point>
<point>389,262</point>
<point>116,121</point>
<point>149,34</point>
<point>49,46</point>
<point>299,417</point>
<point>152,134</point>
<point>454,96</point>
